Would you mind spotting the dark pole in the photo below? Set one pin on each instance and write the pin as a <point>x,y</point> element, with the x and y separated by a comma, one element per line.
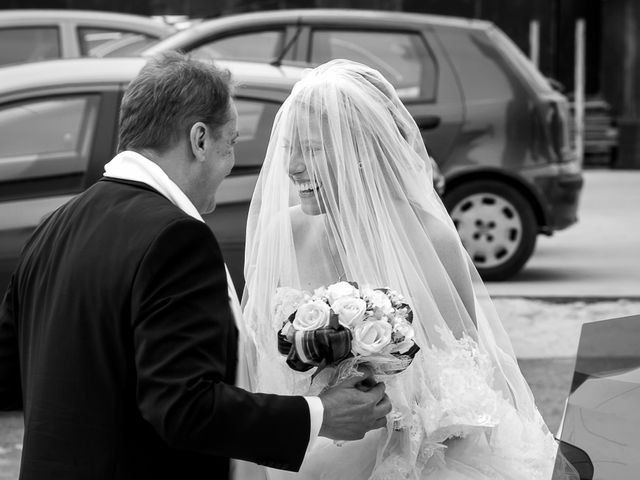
<point>477,9</point>
<point>629,120</point>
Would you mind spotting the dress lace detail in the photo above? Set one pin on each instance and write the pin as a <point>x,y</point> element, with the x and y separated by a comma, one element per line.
<point>460,378</point>
<point>460,422</point>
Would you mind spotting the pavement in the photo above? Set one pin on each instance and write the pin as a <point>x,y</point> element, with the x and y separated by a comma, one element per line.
<point>588,272</point>
<point>598,258</point>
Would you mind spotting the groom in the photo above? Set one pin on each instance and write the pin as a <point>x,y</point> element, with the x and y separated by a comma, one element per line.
<point>117,333</point>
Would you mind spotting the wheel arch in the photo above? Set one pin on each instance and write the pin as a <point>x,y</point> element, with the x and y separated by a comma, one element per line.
<point>530,195</point>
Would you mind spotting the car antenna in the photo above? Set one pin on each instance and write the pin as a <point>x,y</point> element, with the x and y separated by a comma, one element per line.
<point>276,62</point>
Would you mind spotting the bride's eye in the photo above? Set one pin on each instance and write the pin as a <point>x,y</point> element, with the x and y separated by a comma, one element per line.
<point>286,149</point>
<point>313,150</point>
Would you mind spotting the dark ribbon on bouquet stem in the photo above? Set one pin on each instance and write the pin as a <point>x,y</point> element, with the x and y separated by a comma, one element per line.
<point>315,348</point>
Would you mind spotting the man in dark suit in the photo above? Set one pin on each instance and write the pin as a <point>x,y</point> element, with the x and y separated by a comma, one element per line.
<point>117,337</point>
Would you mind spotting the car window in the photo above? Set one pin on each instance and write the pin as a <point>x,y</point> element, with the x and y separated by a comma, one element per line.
<point>100,42</point>
<point>18,45</point>
<point>403,58</point>
<point>481,69</point>
<point>46,136</point>
<point>510,50</point>
<point>255,119</point>
<point>257,46</point>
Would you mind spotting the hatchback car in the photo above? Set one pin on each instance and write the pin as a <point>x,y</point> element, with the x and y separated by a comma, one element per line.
<point>33,35</point>
<point>493,123</point>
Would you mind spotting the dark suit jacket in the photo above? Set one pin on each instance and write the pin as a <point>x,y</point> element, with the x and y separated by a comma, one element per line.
<point>117,340</point>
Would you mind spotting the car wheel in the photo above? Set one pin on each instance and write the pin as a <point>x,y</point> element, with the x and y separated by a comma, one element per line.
<point>496,224</point>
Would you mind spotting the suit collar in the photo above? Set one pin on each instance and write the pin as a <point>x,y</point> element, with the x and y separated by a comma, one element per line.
<point>132,183</point>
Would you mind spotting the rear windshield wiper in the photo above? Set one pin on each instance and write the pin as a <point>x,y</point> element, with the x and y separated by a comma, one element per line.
<point>276,62</point>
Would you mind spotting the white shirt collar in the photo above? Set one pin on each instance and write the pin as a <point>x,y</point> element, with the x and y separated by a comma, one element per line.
<point>130,165</point>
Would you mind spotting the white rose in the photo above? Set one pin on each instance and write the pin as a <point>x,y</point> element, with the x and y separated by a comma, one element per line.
<point>311,316</point>
<point>350,311</point>
<point>320,292</point>
<point>371,337</point>
<point>366,292</point>
<point>285,302</point>
<point>404,330</point>
<point>341,289</point>
<point>380,301</point>
<point>288,299</point>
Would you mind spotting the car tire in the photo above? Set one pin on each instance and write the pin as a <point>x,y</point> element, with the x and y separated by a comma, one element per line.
<point>496,224</point>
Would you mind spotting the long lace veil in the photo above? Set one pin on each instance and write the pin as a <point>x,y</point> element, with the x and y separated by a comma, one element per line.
<point>386,226</point>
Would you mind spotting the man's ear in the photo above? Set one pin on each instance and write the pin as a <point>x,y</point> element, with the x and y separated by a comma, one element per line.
<point>198,139</point>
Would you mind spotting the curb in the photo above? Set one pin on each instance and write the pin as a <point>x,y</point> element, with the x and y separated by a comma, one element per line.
<point>567,299</point>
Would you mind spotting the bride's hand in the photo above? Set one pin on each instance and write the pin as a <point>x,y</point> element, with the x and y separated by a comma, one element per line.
<point>353,407</point>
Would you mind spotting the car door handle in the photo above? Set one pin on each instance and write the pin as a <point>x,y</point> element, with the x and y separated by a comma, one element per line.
<point>427,122</point>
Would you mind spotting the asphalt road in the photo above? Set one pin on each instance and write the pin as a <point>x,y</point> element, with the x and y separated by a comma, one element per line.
<point>598,257</point>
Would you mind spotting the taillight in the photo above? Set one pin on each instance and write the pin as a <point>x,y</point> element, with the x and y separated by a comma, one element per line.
<point>558,130</point>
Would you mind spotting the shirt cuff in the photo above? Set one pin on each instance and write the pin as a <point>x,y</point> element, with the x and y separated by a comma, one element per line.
<point>316,413</point>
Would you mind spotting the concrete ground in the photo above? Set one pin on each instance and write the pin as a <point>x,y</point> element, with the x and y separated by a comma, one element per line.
<point>597,257</point>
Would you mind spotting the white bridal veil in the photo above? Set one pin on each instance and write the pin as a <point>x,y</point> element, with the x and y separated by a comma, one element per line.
<point>357,153</point>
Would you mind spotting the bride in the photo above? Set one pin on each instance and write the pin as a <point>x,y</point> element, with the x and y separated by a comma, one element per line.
<point>346,193</point>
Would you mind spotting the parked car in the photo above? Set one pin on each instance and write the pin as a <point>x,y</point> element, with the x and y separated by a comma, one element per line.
<point>33,35</point>
<point>493,123</point>
<point>58,127</point>
<point>599,428</point>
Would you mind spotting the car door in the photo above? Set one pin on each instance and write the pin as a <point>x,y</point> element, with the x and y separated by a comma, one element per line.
<point>47,150</point>
<point>414,64</point>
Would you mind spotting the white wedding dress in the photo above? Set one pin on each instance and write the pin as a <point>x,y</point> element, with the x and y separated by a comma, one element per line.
<point>345,193</point>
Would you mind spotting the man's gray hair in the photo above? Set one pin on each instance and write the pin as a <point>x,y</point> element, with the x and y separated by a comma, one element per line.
<point>169,95</point>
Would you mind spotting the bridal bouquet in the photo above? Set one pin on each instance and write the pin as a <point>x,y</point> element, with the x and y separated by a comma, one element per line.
<point>342,321</point>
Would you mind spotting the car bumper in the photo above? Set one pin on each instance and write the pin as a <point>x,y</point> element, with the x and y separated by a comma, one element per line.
<point>562,193</point>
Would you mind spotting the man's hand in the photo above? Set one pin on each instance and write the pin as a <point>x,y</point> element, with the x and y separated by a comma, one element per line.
<point>354,407</point>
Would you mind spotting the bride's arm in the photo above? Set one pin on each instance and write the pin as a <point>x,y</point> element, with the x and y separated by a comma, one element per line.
<point>454,260</point>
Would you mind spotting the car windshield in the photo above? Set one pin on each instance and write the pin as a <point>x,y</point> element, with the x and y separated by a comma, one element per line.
<point>511,50</point>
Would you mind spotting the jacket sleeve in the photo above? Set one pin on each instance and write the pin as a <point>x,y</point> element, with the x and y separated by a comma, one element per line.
<point>182,329</point>
<point>10,385</point>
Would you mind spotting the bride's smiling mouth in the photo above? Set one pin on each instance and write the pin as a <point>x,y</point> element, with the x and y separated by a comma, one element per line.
<point>307,188</point>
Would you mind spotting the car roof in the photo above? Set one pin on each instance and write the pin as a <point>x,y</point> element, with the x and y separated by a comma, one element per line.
<point>68,72</point>
<point>83,71</point>
<point>17,18</point>
<point>332,16</point>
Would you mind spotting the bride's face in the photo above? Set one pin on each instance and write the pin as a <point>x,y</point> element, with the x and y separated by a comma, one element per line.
<point>303,151</point>
<point>307,155</point>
